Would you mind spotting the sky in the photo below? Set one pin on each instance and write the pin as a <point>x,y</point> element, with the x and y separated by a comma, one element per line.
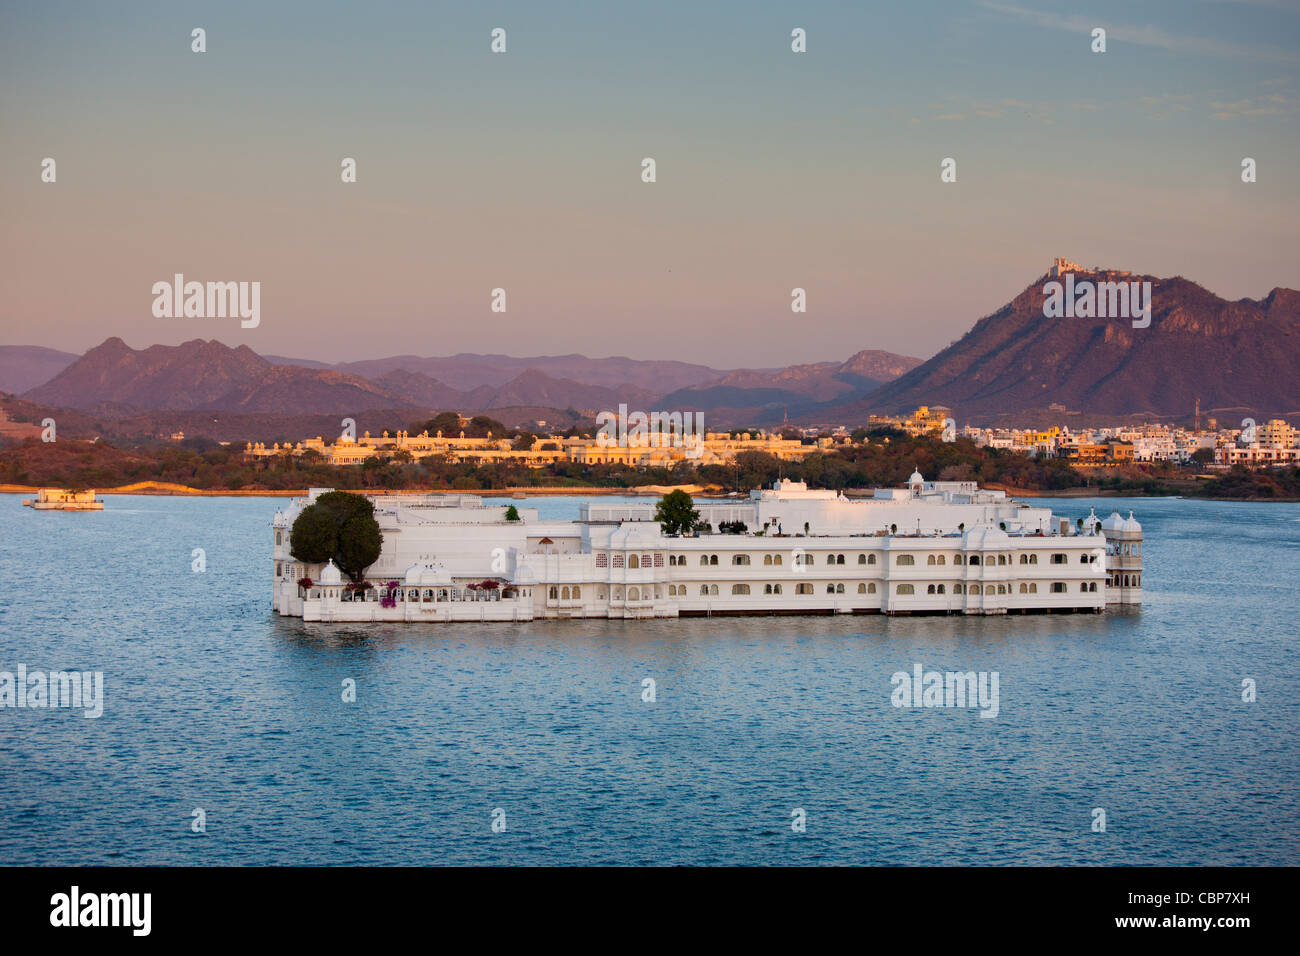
<point>522,170</point>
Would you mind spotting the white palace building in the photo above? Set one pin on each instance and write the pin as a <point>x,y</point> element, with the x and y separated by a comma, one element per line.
<point>932,548</point>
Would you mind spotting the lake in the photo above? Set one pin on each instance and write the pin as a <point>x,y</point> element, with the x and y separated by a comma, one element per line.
<point>213,703</point>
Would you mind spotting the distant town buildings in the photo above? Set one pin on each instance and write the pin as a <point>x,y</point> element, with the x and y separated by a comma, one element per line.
<point>714,448</point>
<point>926,420</point>
<point>1273,443</point>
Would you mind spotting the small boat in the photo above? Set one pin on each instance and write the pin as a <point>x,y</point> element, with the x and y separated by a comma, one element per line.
<point>59,499</point>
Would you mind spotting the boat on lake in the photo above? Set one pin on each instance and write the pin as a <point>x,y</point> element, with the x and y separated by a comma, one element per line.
<point>60,499</point>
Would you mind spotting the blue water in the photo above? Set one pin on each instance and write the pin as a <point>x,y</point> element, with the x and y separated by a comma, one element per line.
<point>212,702</point>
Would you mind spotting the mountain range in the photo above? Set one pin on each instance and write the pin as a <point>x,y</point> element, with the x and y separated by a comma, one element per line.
<point>115,381</point>
<point>1241,355</point>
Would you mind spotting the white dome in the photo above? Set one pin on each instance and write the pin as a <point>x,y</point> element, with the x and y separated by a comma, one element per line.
<point>431,575</point>
<point>1113,523</point>
<point>330,574</point>
<point>634,539</point>
<point>986,539</point>
<point>524,575</point>
<point>916,479</point>
<point>1131,524</point>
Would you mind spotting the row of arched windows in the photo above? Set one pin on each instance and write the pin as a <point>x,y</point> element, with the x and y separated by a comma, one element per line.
<point>902,560</point>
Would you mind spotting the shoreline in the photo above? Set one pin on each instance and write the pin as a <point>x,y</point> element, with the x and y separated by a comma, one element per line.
<point>164,489</point>
<point>170,489</point>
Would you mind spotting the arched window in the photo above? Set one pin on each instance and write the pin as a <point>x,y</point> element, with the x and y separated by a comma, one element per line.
<point>1058,587</point>
<point>904,589</point>
<point>930,589</point>
<point>564,594</point>
<point>577,592</point>
<point>839,589</point>
<point>943,560</point>
<point>958,588</point>
<point>740,589</point>
<point>862,559</point>
<point>776,589</point>
<point>740,559</point>
<point>1059,559</point>
<point>1024,559</point>
<point>704,559</point>
<point>713,559</point>
<point>905,560</point>
<point>941,590</point>
<point>633,561</point>
<point>973,559</point>
<point>839,559</point>
<point>776,559</point>
<point>803,589</point>
<point>830,559</point>
<point>767,559</point>
<point>1033,559</point>
<point>555,594</point>
<point>1002,559</point>
<point>958,560</point>
<point>1002,589</point>
<point>931,560</point>
<point>862,589</point>
<point>634,594</point>
<point>704,590</point>
<point>767,589</point>
<point>713,590</point>
<point>1033,588</point>
<point>1024,588</point>
<point>830,589</point>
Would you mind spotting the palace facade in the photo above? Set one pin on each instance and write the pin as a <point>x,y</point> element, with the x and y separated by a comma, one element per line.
<point>929,548</point>
<point>710,449</point>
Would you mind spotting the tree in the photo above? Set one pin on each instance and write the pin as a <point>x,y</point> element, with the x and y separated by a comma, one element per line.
<point>338,526</point>
<point>676,513</point>
<point>512,513</point>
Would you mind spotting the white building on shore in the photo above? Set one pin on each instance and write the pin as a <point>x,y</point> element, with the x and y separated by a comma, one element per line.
<point>930,548</point>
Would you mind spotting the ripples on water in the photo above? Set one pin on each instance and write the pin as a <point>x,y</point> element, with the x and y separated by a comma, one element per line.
<point>213,702</point>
